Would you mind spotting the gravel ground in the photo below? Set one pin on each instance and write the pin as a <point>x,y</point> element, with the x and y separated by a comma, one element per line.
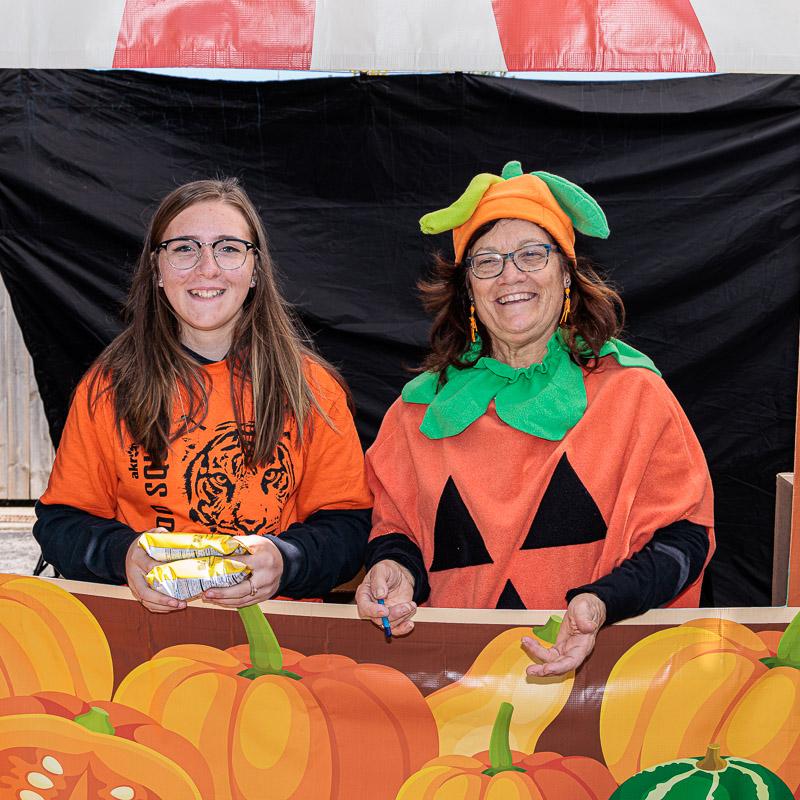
<point>19,552</point>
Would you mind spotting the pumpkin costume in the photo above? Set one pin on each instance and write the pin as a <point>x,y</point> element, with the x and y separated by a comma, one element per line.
<point>102,492</point>
<point>519,488</point>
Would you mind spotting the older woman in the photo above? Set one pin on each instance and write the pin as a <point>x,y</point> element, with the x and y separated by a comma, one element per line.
<point>208,413</point>
<point>538,460</point>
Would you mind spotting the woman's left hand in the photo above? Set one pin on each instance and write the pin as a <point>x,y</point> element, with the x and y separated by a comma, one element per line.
<point>266,563</point>
<point>585,615</point>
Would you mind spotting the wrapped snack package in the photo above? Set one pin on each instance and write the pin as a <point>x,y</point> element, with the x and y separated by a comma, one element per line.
<point>186,579</point>
<point>163,546</point>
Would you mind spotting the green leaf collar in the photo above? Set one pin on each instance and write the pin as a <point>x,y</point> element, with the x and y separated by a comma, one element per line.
<point>545,399</point>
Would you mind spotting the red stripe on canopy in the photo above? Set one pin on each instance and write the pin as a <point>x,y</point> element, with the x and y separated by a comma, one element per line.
<point>248,34</point>
<point>602,35</point>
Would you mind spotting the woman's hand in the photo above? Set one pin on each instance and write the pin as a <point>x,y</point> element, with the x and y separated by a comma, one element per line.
<point>137,565</point>
<point>394,584</point>
<point>585,615</point>
<point>266,563</point>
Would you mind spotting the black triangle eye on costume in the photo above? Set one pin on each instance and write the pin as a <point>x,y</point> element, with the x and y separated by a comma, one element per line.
<point>567,513</point>
<point>457,542</point>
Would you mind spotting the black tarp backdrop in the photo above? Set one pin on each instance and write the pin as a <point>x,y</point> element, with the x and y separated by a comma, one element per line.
<point>699,178</point>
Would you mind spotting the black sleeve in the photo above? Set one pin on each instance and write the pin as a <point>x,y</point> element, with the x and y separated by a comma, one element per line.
<point>323,552</point>
<point>657,574</point>
<point>83,547</point>
<point>398,547</point>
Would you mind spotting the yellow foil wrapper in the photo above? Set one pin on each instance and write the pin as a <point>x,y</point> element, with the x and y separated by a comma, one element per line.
<point>186,579</point>
<point>178,546</point>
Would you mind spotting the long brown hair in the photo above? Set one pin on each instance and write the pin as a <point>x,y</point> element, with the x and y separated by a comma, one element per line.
<point>596,313</point>
<point>146,365</point>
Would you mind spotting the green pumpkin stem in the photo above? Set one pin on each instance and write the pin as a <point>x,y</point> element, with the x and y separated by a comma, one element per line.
<point>713,762</point>
<point>445,219</point>
<point>549,631</point>
<point>788,647</point>
<point>499,751</point>
<point>265,652</point>
<point>96,720</point>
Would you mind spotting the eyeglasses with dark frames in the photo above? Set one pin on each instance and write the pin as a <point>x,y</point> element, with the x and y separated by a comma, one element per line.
<point>529,258</point>
<point>184,252</point>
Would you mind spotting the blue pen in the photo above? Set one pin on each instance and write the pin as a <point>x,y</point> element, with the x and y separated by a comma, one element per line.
<point>387,628</point>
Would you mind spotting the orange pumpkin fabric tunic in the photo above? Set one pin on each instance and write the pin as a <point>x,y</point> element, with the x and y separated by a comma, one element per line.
<point>493,506</point>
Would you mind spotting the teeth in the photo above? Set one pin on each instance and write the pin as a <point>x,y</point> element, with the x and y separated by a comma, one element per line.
<point>206,293</point>
<point>511,298</point>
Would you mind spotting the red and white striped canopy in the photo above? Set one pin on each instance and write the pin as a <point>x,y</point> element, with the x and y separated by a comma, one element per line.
<point>409,35</point>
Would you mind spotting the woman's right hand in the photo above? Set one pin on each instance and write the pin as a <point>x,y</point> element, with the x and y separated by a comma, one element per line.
<point>137,565</point>
<point>394,584</point>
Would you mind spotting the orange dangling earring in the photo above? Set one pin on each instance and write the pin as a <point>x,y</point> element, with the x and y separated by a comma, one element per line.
<point>565,312</point>
<point>473,326</point>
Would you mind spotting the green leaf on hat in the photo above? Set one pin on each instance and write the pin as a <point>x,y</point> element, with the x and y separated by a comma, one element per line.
<point>513,169</point>
<point>579,205</point>
<point>445,219</point>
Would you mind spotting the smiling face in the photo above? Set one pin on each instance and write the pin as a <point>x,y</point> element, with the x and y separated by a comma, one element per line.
<point>206,299</point>
<point>520,310</point>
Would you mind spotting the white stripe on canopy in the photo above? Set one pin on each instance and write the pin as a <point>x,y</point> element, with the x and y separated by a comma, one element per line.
<point>423,35</point>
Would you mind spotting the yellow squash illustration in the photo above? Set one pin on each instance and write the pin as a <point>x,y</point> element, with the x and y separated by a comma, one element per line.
<point>465,711</point>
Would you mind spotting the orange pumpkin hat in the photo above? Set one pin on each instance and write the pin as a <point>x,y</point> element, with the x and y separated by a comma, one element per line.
<point>554,203</point>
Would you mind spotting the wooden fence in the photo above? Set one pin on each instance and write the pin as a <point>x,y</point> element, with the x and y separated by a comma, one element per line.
<point>26,452</point>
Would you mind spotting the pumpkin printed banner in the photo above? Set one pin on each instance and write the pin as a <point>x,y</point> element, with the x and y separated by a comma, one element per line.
<point>101,699</point>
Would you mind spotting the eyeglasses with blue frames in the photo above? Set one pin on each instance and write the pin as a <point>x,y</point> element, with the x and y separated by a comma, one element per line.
<point>530,258</point>
<point>184,253</point>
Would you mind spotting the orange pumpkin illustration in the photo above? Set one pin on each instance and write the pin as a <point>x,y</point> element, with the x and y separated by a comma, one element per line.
<point>706,680</point>
<point>465,710</point>
<point>112,719</point>
<point>49,641</point>
<point>503,774</point>
<point>47,756</point>
<point>283,725</point>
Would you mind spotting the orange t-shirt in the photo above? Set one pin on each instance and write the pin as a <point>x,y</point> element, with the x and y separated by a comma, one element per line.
<point>203,485</point>
<point>493,504</point>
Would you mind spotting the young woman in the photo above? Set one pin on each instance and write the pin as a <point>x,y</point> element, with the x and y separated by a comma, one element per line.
<point>208,413</point>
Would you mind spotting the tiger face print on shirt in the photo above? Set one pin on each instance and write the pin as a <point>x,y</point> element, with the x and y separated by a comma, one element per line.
<point>216,479</point>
